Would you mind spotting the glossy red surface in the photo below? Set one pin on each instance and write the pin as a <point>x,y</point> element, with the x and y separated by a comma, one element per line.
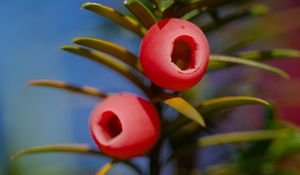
<point>174,54</point>
<point>125,125</point>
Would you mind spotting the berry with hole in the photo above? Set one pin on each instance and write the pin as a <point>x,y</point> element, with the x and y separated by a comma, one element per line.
<point>174,54</point>
<point>125,125</point>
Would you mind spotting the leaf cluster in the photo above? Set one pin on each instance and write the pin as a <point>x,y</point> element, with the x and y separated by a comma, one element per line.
<point>192,118</point>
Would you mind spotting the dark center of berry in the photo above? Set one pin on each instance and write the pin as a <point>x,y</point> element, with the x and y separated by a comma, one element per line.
<point>110,124</point>
<point>183,53</point>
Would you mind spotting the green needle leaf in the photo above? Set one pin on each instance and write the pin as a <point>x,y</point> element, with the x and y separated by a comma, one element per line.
<point>123,69</point>
<point>192,14</point>
<point>156,2</point>
<point>109,48</point>
<point>245,136</point>
<point>162,4</point>
<point>217,62</point>
<point>117,17</point>
<point>106,167</point>
<point>270,54</point>
<point>142,13</point>
<point>69,87</point>
<point>216,104</point>
<point>182,107</point>
<point>71,148</point>
<point>227,102</point>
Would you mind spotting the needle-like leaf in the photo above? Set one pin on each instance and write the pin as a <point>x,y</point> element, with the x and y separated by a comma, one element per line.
<point>156,2</point>
<point>245,136</point>
<point>183,107</point>
<point>214,105</point>
<point>227,102</point>
<point>69,87</point>
<point>109,48</point>
<point>106,167</point>
<point>270,54</point>
<point>141,12</point>
<point>109,62</point>
<point>117,17</point>
<point>162,4</point>
<point>70,148</point>
<point>217,62</point>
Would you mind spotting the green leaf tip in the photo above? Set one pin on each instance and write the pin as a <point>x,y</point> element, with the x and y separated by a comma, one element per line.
<point>103,170</point>
<point>116,16</point>
<point>68,47</point>
<point>141,12</point>
<point>229,101</point>
<point>221,61</point>
<point>183,107</point>
<point>88,5</point>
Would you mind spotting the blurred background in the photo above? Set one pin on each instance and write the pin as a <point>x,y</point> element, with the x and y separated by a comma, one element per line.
<point>30,35</point>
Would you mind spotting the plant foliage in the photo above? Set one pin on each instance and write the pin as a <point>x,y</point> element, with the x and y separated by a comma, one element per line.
<point>192,116</point>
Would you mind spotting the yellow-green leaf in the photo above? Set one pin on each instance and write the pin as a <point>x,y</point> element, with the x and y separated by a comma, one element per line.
<point>245,136</point>
<point>219,61</point>
<point>270,54</point>
<point>166,4</point>
<point>69,87</point>
<point>106,167</point>
<point>123,69</point>
<point>183,107</point>
<point>156,2</point>
<point>109,48</point>
<point>216,104</point>
<point>142,13</point>
<point>227,102</point>
<point>259,56</point>
<point>192,14</point>
<point>71,148</point>
<point>117,17</point>
<point>162,5</point>
<point>68,148</point>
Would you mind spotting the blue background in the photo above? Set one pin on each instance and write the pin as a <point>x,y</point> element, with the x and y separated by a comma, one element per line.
<point>30,34</point>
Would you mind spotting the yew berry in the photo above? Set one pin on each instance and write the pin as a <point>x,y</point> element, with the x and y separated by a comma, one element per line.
<point>174,54</point>
<point>125,125</point>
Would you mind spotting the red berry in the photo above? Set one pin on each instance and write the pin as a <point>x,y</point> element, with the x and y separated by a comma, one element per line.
<point>174,54</point>
<point>125,125</point>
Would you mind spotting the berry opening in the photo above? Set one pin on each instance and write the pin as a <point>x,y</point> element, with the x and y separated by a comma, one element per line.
<point>111,125</point>
<point>183,53</point>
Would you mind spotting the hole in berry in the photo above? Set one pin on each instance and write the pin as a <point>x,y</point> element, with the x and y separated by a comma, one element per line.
<point>183,53</point>
<point>110,124</point>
